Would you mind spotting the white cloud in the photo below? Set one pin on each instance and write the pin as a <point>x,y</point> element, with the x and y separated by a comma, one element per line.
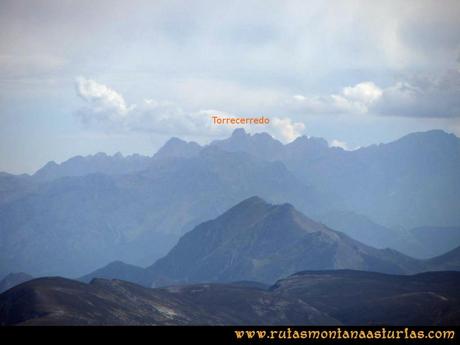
<point>103,100</point>
<point>417,97</point>
<point>107,109</point>
<point>285,129</point>
<point>365,92</point>
<point>339,143</point>
<point>352,99</point>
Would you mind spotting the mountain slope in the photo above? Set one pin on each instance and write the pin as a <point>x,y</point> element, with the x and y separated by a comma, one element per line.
<point>14,279</point>
<point>306,298</point>
<point>258,241</point>
<point>363,229</point>
<point>368,298</point>
<point>433,241</point>
<point>13,187</point>
<point>58,301</point>
<point>447,261</point>
<point>118,270</point>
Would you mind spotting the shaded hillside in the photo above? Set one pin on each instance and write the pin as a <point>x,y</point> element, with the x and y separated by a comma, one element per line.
<point>306,298</point>
<point>258,241</point>
<point>367,298</point>
<point>59,301</point>
<point>447,261</point>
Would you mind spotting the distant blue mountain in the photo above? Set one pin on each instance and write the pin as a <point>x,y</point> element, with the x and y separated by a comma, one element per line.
<point>177,148</point>
<point>98,163</point>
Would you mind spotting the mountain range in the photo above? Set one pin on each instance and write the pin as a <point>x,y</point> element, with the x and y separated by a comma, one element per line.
<point>408,183</point>
<point>75,217</point>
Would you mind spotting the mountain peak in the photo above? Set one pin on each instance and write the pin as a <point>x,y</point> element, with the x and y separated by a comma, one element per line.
<point>311,141</point>
<point>251,201</point>
<point>248,208</point>
<point>177,148</point>
<point>239,132</point>
<point>50,164</point>
<point>434,134</point>
<point>175,141</point>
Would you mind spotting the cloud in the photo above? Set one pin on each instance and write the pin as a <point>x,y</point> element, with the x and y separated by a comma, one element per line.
<point>338,143</point>
<point>286,129</point>
<point>108,110</point>
<point>427,97</point>
<point>103,102</point>
<point>423,98</point>
<point>365,92</point>
<point>352,99</point>
<point>343,145</point>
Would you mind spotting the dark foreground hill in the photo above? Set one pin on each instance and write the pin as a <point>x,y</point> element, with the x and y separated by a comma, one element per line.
<point>306,298</point>
<point>59,301</point>
<point>358,298</point>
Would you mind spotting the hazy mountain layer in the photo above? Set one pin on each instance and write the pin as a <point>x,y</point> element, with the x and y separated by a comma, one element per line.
<point>93,164</point>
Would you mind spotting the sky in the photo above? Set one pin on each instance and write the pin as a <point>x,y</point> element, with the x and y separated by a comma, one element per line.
<point>81,77</point>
